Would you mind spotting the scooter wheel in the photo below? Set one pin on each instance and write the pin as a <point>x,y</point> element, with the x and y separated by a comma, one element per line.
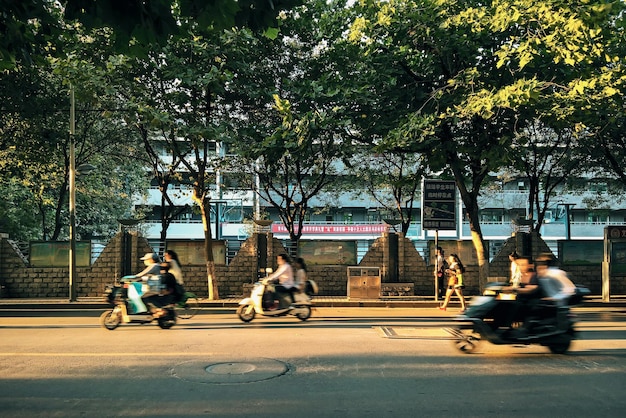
<point>303,312</point>
<point>467,344</point>
<point>110,320</point>
<point>167,321</point>
<point>246,312</point>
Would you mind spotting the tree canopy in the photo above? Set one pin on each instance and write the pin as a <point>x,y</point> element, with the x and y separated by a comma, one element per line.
<point>460,86</point>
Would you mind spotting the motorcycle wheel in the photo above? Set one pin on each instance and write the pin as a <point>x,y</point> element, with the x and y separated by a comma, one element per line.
<point>246,312</point>
<point>166,321</point>
<point>303,313</point>
<point>560,345</point>
<point>110,320</point>
<point>468,343</point>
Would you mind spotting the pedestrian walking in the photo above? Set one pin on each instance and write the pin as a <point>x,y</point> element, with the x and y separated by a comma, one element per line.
<point>454,274</point>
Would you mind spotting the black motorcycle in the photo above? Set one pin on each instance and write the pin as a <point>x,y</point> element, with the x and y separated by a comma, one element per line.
<point>500,318</point>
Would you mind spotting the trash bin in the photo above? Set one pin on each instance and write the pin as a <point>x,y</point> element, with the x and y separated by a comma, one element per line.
<point>363,282</point>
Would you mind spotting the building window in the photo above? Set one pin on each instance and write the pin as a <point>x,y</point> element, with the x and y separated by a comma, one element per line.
<point>492,215</point>
<point>598,186</point>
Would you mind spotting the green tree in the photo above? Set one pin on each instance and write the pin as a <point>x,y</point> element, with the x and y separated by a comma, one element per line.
<point>27,27</point>
<point>488,69</point>
<point>395,174</point>
<point>295,149</point>
<point>35,116</point>
<point>183,104</point>
<point>294,164</point>
<point>548,158</point>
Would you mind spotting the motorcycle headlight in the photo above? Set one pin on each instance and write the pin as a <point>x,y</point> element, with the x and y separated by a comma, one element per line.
<point>506,296</point>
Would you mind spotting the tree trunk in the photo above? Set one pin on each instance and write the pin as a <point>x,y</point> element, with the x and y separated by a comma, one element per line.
<point>205,208</point>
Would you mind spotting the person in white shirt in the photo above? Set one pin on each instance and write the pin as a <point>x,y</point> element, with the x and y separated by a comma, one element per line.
<point>284,276</point>
<point>554,281</point>
<point>516,273</point>
<point>300,281</point>
<point>171,257</point>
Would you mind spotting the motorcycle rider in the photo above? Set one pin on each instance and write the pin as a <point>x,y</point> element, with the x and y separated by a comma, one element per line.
<point>284,275</point>
<point>528,294</point>
<point>151,260</point>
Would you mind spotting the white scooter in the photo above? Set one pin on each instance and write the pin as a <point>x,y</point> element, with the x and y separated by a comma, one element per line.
<point>261,301</point>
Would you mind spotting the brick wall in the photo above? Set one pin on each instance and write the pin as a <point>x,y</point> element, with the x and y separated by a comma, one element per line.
<point>588,275</point>
<point>21,281</point>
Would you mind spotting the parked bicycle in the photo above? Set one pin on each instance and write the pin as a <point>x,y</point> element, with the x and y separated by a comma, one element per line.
<point>188,306</point>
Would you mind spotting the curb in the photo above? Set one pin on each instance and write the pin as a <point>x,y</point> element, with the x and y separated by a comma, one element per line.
<point>232,303</point>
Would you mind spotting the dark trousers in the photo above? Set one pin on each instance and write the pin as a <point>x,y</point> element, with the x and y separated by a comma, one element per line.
<point>279,288</point>
<point>158,300</point>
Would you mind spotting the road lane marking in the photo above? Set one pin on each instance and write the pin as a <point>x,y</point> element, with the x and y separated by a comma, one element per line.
<point>414,333</point>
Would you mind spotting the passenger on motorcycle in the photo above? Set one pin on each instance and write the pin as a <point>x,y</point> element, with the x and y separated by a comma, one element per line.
<point>300,279</point>
<point>284,278</point>
<point>555,282</point>
<point>155,301</point>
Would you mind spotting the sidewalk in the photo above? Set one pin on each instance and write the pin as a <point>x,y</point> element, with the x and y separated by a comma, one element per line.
<point>319,301</point>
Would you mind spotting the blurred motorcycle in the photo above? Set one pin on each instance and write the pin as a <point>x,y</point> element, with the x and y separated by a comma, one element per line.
<point>549,323</point>
<point>129,308</point>
<point>262,302</point>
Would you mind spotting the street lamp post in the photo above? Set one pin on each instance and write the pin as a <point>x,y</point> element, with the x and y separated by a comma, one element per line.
<point>82,169</point>
<point>568,227</point>
<point>72,185</point>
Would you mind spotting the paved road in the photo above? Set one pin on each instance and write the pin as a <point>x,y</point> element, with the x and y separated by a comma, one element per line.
<point>344,362</point>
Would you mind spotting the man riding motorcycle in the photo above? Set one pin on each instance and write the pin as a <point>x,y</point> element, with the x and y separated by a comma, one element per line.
<point>527,290</point>
<point>549,286</point>
<point>284,276</point>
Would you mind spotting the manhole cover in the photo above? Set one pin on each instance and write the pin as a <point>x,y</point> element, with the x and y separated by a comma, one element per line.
<point>224,371</point>
<point>230,368</point>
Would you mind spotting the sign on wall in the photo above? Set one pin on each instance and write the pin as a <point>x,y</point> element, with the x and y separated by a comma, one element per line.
<point>328,252</point>
<point>192,252</point>
<point>583,252</point>
<point>279,228</point>
<point>439,205</point>
<point>57,253</point>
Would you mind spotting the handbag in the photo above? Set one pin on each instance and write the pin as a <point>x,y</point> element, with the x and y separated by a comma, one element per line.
<point>452,280</point>
<point>459,280</point>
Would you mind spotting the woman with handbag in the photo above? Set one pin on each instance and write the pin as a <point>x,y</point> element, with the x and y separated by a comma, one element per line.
<point>454,273</point>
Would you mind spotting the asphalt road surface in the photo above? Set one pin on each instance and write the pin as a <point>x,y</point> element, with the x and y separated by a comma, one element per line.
<point>343,362</point>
